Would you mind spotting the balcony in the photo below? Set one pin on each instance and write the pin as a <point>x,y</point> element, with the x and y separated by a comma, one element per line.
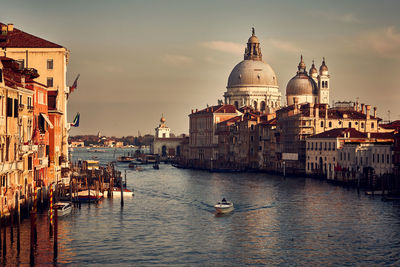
<point>21,107</point>
<point>30,108</point>
<point>11,166</point>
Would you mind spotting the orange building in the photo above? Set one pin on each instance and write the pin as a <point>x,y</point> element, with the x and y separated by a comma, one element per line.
<point>40,134</point>
<point>55,138</point>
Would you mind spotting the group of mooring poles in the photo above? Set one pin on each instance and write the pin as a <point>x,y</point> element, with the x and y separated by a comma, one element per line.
<point>15,219</point>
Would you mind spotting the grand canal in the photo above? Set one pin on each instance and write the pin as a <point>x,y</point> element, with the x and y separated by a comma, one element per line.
<point>171,221</point>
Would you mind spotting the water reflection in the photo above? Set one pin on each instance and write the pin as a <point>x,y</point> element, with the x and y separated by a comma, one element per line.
<point>171,221</point>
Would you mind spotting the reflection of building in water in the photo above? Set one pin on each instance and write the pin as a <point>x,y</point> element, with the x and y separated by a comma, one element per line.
<point>165,144</point>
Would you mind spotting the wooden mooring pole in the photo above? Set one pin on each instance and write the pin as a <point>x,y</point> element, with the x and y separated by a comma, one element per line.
<point>55,247</point>
<point>122,191</point>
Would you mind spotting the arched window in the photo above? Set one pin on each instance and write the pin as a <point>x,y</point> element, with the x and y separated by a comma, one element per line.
<point>164,151</point>
<point>326,84</point>
<point>262,105</point>
<point>255,105</point>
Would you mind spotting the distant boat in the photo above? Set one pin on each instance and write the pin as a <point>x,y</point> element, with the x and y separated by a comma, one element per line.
<point>125,159</point>
<point>224,207</point>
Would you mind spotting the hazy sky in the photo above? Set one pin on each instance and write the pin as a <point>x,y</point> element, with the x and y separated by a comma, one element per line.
<point>139,59</point>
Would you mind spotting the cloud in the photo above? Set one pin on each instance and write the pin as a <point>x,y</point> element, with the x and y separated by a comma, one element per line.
<point>227,47</point>
<point>177,59</point>
<point>382,42</point>
<point>344,18</point>
<point>285,46</point>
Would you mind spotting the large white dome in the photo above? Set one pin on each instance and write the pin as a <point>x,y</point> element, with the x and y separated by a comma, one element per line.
<point>252,73</point>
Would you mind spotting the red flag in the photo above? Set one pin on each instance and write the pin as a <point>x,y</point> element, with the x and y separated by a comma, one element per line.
<point>74,85</point>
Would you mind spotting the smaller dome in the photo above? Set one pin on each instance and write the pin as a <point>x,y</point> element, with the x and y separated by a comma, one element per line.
<point>253,40</point>
<point>301,84</point>
<point>313,69</point>
<point>323,66</point>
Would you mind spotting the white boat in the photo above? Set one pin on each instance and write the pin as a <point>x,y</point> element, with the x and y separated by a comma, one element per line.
<point>224,207</point>
<point>63,208</point>
<point>117,192</point>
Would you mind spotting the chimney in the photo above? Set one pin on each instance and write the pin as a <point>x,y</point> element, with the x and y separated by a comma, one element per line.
<point>368,111</point>
<point>10,27</point>
<point>375,112</point>
<point>362,108</point>
<point>326,111</point>
<point>4,29</point>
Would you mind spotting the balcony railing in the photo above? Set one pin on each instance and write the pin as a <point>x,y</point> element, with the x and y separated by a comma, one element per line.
<point>21,107</point>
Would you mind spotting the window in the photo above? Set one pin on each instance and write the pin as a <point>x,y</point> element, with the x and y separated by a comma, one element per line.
<point>29,101</point>
<point>329,148</point>
<point>387,158</point>
<point>49,64</point>
<point>372,125</point>
<point>49,81</point>
<point>9,107</point>
<point>20,99</point>
<point>251,137</point>
<point>325,146</point>
<point>326,84</point>
<point>377,158</point>
<point>330,124</point>
<point>259,148</point>
<point>383,158</point>
<point>15,108</point>
<point>312,146</point>
<point>1,75</point>
<point>322,124</point>
<point>362,125</point>
<point>373,158</point>
<point>350,124</point>
<point>308,165</point>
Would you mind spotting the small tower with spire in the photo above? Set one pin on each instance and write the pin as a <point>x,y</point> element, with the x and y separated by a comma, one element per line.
<point>253,50</point>
<point>323,83</point>
<point>162,131</point>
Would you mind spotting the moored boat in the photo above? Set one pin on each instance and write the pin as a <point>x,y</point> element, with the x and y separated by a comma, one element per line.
<point>117,192</point>
<point>63,208</point>
<point>224,207</point>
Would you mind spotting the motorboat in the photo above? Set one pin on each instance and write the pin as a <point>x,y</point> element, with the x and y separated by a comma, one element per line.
<point>63,208</point>
<point>89,196</point>
<point>117,192</point>
<point>224,207</point>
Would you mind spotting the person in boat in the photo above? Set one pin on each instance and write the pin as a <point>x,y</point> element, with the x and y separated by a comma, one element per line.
<point>224,201</point>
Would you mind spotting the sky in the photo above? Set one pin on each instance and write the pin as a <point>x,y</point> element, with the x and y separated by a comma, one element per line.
<point>139,60</point>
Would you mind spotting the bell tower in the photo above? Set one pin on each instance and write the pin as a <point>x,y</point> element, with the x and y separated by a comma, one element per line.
<point>323,84</point>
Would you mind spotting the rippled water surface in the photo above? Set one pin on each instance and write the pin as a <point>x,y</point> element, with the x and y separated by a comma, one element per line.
<point>171,221</point>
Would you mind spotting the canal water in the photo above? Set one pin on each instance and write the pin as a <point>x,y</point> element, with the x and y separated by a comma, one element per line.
<point>171,221</point>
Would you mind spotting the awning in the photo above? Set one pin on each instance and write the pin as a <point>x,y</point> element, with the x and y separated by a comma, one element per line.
<point>47,120</point>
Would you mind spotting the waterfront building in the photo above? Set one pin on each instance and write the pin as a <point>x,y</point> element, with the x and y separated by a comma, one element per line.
<point>268,155</point>
<point>165,144</point>
<point>16,121</point>
<point>253,82</point>
<point>297,122</point>
<point>311,87</point>
<point>55,172</point>
<point>363,156</point>
<point>203,138</point>
<point>40,136</point>
<point>50,60</point>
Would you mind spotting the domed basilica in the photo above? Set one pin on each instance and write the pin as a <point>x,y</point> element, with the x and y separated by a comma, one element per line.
<point>253,83</point>
<point>309,87</point>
